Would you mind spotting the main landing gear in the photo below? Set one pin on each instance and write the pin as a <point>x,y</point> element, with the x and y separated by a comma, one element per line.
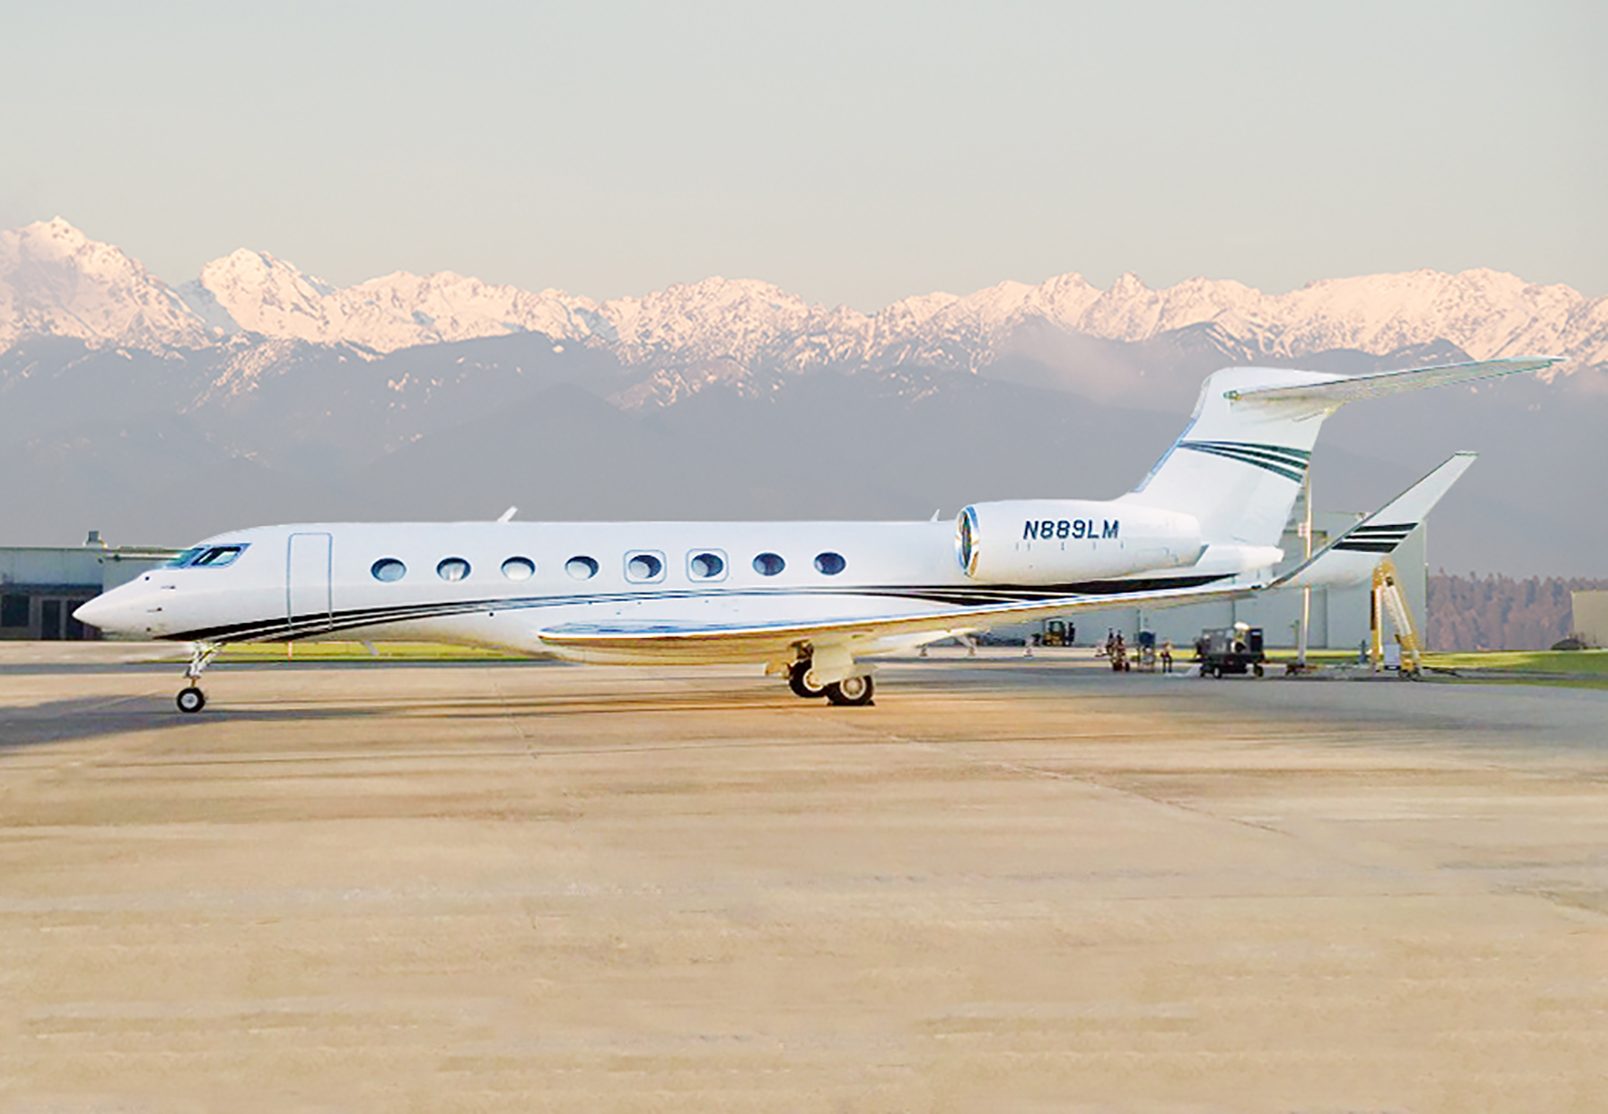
<point>851,692</point>
<point>798,680</point>
<point>191,699</point>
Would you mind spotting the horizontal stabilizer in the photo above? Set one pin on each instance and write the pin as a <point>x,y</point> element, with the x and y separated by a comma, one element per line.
<point>1353,388</point>
<point>1351,557</point>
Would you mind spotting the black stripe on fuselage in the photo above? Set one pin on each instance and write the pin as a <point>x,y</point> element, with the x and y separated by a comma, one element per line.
<point>959,595</point>
<point>1288,469</point>
<point>1296,458</point>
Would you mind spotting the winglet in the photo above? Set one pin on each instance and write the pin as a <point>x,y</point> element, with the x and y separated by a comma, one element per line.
<point>1351,557</point>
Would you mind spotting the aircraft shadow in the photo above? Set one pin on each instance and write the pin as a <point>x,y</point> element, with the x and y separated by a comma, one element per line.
<point>86,718</point>
<point>91,717</point>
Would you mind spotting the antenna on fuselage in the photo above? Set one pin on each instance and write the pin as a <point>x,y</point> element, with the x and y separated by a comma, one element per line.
<point>508,515</point>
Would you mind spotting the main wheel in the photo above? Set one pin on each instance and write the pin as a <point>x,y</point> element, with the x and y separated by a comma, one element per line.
<point>797,680</point>
<point>191,699</point>
<point>1257,669</point>
<point>853,692</point>
<point>1217,673</point>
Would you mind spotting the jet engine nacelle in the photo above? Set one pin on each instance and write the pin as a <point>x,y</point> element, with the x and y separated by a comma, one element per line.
<point>1063,541</point>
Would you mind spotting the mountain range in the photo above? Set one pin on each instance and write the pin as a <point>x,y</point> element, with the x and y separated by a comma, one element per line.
<point>256,391</point>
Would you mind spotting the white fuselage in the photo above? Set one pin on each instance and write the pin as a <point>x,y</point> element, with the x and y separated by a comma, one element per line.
<point>318,581</point>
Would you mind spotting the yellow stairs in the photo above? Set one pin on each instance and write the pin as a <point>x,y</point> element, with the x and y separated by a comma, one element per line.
<point>1387,600</point>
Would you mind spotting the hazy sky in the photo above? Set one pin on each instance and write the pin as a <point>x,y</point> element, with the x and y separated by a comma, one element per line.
<point>853,152</point>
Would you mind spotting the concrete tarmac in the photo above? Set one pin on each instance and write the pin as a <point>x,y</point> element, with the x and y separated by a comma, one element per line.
<point>1011,884</point>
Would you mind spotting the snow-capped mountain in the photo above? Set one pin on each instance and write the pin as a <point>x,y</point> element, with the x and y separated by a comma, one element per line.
<point>56,281</point>
<point>1485,313</point>
<point>262,294</point>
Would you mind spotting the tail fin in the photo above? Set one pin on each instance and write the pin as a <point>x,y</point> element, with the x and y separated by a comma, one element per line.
<point>1351,557</point>
<point>1240,462</point>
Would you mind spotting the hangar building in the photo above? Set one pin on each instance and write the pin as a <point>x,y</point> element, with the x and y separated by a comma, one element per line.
<point>41,585</point>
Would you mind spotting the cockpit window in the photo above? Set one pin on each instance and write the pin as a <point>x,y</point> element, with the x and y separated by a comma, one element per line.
<point>218,556</point>
<point>207,557</point>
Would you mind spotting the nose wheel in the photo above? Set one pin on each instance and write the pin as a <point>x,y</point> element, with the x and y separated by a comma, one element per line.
<point>191,699</point>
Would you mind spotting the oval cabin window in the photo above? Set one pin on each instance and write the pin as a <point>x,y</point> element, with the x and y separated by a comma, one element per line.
<point>706,566</point>
<point>581,568</point>
<point>829,563</point>
<point>644,566</point>
<point>519,568</point>
<point>388,569</point>
<point>452,568</point>
<point>769,564</point>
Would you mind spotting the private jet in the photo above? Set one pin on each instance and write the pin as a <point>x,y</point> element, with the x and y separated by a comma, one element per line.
<point>810,601</point>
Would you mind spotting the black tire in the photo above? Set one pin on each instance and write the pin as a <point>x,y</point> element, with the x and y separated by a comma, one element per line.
<point>851,692</point>
<point>1217,673</point>
<point>190,700</point>
<point>1257,669</point>
<point>795,681</point>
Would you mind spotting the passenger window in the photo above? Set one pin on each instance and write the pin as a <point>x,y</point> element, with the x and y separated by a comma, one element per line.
<point>519,568</point>
<point>388,569</point>
<point>769,564</point>
<point>581,568</point>
<point>829,563</point>
<point>708,564</point>
<point>452,568</point>
<point>644,566</point>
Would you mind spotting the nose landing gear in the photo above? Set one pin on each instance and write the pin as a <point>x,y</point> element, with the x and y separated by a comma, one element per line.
<point>191,699</point>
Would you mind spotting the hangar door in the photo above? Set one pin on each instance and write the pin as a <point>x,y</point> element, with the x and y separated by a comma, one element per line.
<point>307,576</point>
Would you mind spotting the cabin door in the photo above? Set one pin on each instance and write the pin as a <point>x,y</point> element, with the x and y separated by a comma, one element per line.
<point>307,582</point>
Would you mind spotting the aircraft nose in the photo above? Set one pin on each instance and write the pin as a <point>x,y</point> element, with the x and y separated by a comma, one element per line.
<point>104,613</point>
<point>92,612</point>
